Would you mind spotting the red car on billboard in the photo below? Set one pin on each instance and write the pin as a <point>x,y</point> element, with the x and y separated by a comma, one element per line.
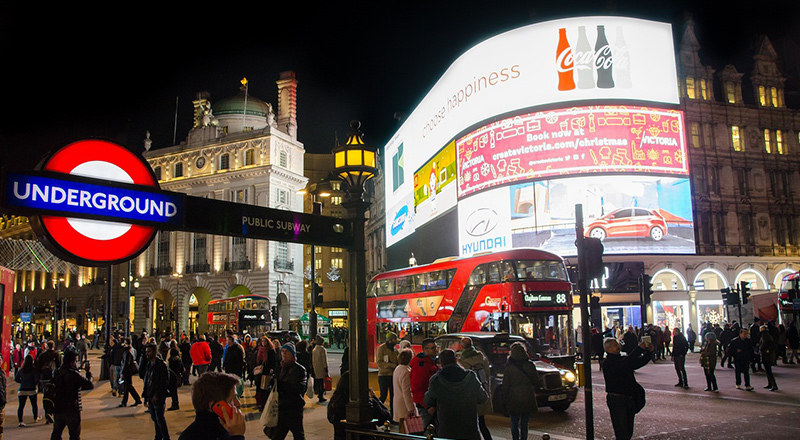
<point>628,222</point>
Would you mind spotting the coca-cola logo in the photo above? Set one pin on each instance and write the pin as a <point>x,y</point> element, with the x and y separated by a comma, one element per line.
<point>603,58</point>
<point>565,60</point>
<point>585,61</point>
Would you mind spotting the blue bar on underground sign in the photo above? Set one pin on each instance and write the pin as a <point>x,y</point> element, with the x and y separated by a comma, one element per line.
<point>50,194</point>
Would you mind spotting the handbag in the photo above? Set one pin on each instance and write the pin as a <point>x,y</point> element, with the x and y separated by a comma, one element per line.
<point>328,383</point>
<point>412,425</point>
<point>258,370</point>
<point>269,417</point>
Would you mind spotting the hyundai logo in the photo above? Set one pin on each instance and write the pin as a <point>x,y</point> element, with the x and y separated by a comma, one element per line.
<point>481,222</point>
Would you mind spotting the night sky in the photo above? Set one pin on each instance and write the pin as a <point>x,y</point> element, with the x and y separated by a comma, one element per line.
<point>73,72</point>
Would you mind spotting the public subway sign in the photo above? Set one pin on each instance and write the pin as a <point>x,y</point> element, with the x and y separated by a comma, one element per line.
<point>95,203</point>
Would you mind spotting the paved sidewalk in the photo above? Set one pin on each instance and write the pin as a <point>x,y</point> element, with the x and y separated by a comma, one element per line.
<point>103,420</point>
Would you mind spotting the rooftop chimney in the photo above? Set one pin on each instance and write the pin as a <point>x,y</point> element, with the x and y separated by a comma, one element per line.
<point>287,103</point>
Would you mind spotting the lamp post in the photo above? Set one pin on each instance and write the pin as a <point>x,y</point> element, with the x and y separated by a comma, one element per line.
<point>356,162</point>
<point>321,189</point>
<point>131,281</point>
<point>58,313</point>
<point>178,277</point>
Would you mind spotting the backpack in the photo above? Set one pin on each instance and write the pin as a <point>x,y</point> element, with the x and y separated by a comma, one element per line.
<point>49,396</point>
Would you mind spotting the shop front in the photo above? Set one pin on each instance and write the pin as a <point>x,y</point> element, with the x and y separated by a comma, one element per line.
<point>672,314</point>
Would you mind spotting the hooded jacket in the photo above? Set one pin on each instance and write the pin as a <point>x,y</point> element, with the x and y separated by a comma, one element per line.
<point>472,359</point>
<point>456,394</point>
<point>422,368</point>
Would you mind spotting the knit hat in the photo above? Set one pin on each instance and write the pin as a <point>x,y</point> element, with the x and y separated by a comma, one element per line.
<point>390,335</point>
<point>290,348</point>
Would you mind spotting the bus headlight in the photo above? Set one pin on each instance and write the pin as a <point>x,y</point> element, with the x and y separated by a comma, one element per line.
<point>568,377</point>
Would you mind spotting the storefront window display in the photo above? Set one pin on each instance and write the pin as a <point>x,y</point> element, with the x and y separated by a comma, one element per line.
<point>672,314</point>
<point>711,311</point>
<point>621,316</point>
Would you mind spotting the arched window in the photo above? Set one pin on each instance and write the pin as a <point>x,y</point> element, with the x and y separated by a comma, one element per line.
<point>710,279</point>
<point>754,277</point>
<point>668,279</point>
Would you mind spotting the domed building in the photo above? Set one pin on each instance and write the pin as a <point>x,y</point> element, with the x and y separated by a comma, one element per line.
<point>241,150</point>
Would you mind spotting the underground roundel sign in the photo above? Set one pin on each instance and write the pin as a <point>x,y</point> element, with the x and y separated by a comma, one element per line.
<point>86,240</point>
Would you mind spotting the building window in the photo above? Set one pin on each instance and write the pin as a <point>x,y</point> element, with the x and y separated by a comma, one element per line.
<point>743,175</point>
<point>224,162</point>
<point>318,264</point>
<point>282,251</point>
<point>283,196</point>
<point>706,230</point>
<point>695,127</point>
<point>708,139</point>
<point>779,226</point>
<point>690,90</point>
<point>737,140</point>
<point>767,143</point>
<point>157,172</point>
<point>791,230</point>
<point>779,147</point>
<point>773,91</point>
<point>336,185</point>
<point>700,180</point>
<point>730,92</point>
<point>249,157</point>
<point>763,98</point>
<point>336,262</point>
<point>779,182</point>
<point>336,200</point>
<point>239,196</point>
<point>238,249</point>
<point>162,249</point>
<point>713,180</point>
<point>178,170</point>
<point>720,217</point>
<point>746,229</point>
<point>283,159</point>
<point>199,249</point>
<point>703,90</point>
<point>337,250</point>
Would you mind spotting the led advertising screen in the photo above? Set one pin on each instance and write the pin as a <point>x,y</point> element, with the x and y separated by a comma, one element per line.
<point>493,122</point>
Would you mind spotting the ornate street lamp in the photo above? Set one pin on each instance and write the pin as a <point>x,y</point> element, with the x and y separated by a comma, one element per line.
<point>356,162</point>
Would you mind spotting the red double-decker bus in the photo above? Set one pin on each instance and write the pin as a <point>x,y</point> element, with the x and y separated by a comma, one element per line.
<point>524,292</point>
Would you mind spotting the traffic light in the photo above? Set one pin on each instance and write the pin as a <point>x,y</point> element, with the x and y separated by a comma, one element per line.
<point>745,291</point>
<point>647,289</point>
<point>729,296</point>
<point>593,248</point>
<point>316,291</point>
<point>274,312</point>
<point>57,310</point>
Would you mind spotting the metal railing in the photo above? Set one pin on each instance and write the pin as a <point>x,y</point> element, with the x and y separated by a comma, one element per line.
<point>283,264</point>
<point>197,267</point>
<point>160,270</point>
<point>237,265</point>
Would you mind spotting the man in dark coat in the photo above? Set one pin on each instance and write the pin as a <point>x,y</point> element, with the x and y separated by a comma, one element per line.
<point>454,394</point>
<point>680,346</point>
<point>47,363</point>
<point>725,339</point>
<point>741,349</point>
<point>755,338</point>
<point>291,385</point>
<point>691,338</point>
<point>216,354</point>
<point>69,384</point>
<point>156,385</point>
<point>629,340</point>
<point>624,396</point>
<point>234,358</point>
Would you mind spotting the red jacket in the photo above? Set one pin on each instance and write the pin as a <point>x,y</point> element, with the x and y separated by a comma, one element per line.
<point>200,353</point>
<point>423,367</point>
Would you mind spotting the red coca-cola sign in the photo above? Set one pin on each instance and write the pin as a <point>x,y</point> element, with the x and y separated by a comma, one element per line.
<point>579,140</point>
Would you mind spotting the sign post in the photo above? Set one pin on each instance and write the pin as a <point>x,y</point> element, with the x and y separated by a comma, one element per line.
<point>586,334</point>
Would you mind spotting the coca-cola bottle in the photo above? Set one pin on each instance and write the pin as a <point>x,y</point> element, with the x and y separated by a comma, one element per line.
<point>622,61</point>
<point>564,62</point>
<point>584,60</point>
<point>603,60</point>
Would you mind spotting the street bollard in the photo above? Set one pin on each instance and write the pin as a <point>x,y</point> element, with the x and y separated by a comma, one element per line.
<point>545,436</point>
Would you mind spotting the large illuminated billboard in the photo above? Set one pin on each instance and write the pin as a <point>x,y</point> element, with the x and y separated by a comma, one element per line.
<point>549,107</point>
